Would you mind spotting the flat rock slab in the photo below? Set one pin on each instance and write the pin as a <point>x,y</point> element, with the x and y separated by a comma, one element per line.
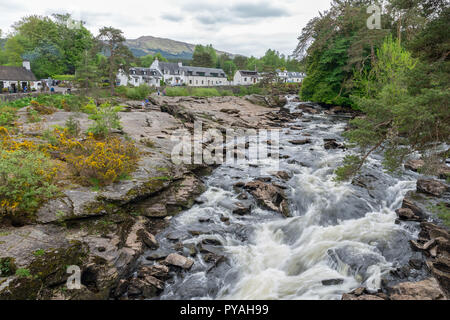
<point>177,260</point>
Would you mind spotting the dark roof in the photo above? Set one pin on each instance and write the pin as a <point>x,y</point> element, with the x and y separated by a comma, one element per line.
<point>148,72</point>
<point>208,72</point>
<point>16,74</point>
<point>296,74</point>
<point>173,68</point>
<point>249,73</point>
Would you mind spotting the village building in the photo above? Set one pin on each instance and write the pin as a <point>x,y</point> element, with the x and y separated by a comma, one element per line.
<point>295,77</point>
<point>140,76</point>
<point>16,79</point>
<point>199,76</point>
<point>246,78</point>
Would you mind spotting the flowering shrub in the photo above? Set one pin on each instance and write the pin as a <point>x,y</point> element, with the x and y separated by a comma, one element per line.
<point>99,163</point>
<point>26,176</point>
<point>105,116</point>
<point>25,181</point>
<point>7,116</point>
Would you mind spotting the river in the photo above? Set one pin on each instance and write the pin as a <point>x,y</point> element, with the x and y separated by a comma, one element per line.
<point>339,236</point>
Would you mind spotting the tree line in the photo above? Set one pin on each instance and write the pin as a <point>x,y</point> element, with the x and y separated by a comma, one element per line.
<point>397,75</point>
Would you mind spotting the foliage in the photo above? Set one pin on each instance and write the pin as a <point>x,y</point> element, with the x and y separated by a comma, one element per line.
<point>99,163</point>
<point>7,116</point>
<point>7,267</point>
<point>196,92</point>
<point>105,116</point>
<point>146,61</point>
<point>26,178</point>
<point>112,42</point>
<point>135,93</point>
<point>396,121</point>
<point>23,273</point>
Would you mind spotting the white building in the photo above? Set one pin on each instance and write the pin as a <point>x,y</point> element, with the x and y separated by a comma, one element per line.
<point>177,74</point>
<point>140,76</point>
<point>290,77</point>
<point>295,77</point>
<point>246,78</point>
<point>199,77</point>
<point>15,79</point>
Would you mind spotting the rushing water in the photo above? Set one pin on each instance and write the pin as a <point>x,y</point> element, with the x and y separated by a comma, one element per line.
<point>337,231</point>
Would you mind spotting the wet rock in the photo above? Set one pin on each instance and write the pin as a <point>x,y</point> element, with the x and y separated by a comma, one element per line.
<point>148,287</point>
<point>211,242</point>
<point>283,175</point>
<point>423,290</point>
<point>300,141</point>
<point>242,209</point>
<point>406,214</point>
<point>239,184</point>
<point>347,296</point>
<point>269,196</point>
<point>158,255</point>
<point>158,271</point>
<point>332,144</point>
<point>121,288</point>
<point>296,128</point>
<point>332,282</point>
<point>433,187</point>
<point>177,260</point>
<point>414,165</point>
<point>409,203</point>
<point>149,239</point>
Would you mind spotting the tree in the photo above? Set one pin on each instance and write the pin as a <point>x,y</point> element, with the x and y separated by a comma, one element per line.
<point>86,74</point>
<point>396,121</point>
<point>146,61</point>
<point>240,62</point>
<point>112,42</point>
<point>204,57</point>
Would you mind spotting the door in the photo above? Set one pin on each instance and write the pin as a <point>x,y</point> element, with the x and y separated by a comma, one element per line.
<point>13,87</point>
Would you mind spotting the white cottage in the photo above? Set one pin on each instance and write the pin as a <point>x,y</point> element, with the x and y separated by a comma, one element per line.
<point>139,76</point>
<point>295,77</point>
<point>15,79</point>
<point>246,78</point>
<point>199,77</point>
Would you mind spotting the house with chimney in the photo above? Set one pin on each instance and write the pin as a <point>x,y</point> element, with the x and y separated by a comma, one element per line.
<point>176,74</point>
<point>140,76</point>
<point>15,79</point>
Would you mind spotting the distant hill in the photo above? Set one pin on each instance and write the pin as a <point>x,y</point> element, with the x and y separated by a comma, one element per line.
<point>170,49</point>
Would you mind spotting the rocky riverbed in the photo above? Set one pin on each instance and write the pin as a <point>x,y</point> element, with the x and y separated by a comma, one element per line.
<point>235,231</point>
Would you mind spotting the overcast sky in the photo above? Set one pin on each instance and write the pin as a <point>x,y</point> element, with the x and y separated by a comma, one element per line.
<point>247,27</point>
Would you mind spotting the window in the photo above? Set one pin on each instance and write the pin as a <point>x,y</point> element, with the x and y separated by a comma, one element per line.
<point>245,79</point>
<point>190,81</point>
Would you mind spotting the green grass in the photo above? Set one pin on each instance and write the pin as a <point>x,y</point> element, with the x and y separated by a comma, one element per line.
<point>197,92</point>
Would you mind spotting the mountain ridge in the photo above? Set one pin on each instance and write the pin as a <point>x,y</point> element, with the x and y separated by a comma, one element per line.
<point>170,49</point>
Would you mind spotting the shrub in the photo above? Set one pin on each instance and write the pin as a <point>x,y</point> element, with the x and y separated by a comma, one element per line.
<point>7,116</point>
<point>99,163</point>
<point>106,119</point>
<point>26,178</point>
<point>138,93</point>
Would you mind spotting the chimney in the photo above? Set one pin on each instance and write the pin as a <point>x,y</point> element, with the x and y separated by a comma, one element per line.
<point>26,64</point>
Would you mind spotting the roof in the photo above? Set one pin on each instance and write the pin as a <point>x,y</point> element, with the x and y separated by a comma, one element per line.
<point>173,68</point>
<point>148,72</point>
<point>208,72</point>
<point>296,74</point>
<point>248,73</point>
<point>16,74</point>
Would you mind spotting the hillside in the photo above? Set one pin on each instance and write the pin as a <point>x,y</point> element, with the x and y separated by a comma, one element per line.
<point>170,49</point>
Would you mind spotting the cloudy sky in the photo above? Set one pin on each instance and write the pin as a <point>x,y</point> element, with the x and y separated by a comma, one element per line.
<point>246,27</point>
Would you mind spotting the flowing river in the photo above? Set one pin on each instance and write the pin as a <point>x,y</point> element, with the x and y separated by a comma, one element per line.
<point>340,236</point>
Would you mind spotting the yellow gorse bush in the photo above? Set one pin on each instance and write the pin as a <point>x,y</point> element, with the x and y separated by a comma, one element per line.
<point>7,143</point>
<point>99,162</point>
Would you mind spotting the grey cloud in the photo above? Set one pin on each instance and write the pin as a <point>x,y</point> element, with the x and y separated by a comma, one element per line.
<point>172,17</point>
<point>258,10</point>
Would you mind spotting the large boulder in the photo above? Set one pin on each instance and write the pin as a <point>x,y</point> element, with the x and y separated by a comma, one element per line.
<point>433,187</point>
<point>179,261</point>
<point>423,290</point>
<point>269,196</point>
